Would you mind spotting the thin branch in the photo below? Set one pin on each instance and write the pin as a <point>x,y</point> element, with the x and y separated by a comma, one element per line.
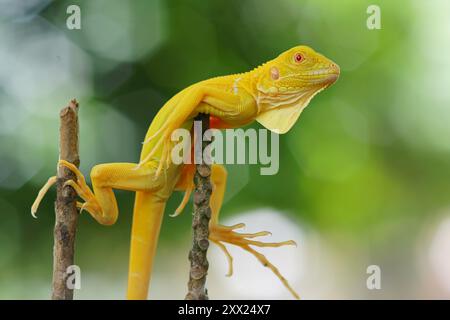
<point>200,223</point>
<point>65,205</point>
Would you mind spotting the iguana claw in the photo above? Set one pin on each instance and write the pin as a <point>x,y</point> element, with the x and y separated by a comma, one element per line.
<point>226,234</point>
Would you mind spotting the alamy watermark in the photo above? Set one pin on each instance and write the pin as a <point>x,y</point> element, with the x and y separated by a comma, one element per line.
<point>73,280</point>
<point>229,146</point>
<point>373,21</point>
<point>73,22</point>
<point>373,281</point>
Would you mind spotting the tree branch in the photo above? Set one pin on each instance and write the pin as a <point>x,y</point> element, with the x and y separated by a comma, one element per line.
<point>200,222</point>
<point>65,206</point>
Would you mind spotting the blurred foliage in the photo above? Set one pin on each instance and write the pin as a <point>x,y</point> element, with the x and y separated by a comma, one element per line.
<point>368,160</point>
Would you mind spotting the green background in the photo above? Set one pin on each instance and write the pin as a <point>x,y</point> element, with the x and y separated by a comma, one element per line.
<point>364,174</point>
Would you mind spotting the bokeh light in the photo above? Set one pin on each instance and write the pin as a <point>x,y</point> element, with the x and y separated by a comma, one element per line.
<point>363,175</point>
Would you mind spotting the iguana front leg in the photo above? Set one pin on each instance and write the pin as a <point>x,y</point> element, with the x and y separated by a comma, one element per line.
<point>220,234</point>
<point>151,196</point>
<point>101,202</point>
<point>198,98</point>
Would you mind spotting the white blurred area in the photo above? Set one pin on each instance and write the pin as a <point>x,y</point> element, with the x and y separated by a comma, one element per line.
<point>434,258</point>
<point>250,279</point>
<point>320,267</point>
<point>40,71</point>
<point>439,254</point>
<point>309,267</point>
<point>422,112</point>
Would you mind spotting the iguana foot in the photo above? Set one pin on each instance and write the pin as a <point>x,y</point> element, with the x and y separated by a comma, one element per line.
<point>226,234</point>
<point>82,189</point>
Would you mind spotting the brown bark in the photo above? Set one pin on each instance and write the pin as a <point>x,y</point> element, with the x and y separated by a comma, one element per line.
<point>200,225</point>
<point>65,206</point>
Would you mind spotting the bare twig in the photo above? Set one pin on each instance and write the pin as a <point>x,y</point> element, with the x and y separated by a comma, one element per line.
<point>65,205</point>
<point>200,224</point>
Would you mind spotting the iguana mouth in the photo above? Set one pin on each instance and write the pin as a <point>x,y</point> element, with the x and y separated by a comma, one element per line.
<point>322,72</point>
<point>327,75</point>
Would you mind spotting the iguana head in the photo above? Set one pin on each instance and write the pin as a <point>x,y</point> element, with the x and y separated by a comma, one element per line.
<point>286,84</point>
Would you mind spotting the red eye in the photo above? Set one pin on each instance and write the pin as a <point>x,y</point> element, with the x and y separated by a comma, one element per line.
<point>298,57</point>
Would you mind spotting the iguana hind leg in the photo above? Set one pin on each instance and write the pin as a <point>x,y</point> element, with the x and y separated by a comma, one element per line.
<point>220,234</point>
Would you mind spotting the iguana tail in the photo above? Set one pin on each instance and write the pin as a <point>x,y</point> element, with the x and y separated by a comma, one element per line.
<point>147,219</point>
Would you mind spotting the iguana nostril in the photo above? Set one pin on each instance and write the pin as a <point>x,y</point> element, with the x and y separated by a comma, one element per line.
<point>336,67</point>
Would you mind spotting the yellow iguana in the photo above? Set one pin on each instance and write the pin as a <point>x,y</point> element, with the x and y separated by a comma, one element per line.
<point>274,94</point>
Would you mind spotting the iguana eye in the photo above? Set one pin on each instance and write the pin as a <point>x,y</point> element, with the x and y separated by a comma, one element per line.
<point>298,57</point>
